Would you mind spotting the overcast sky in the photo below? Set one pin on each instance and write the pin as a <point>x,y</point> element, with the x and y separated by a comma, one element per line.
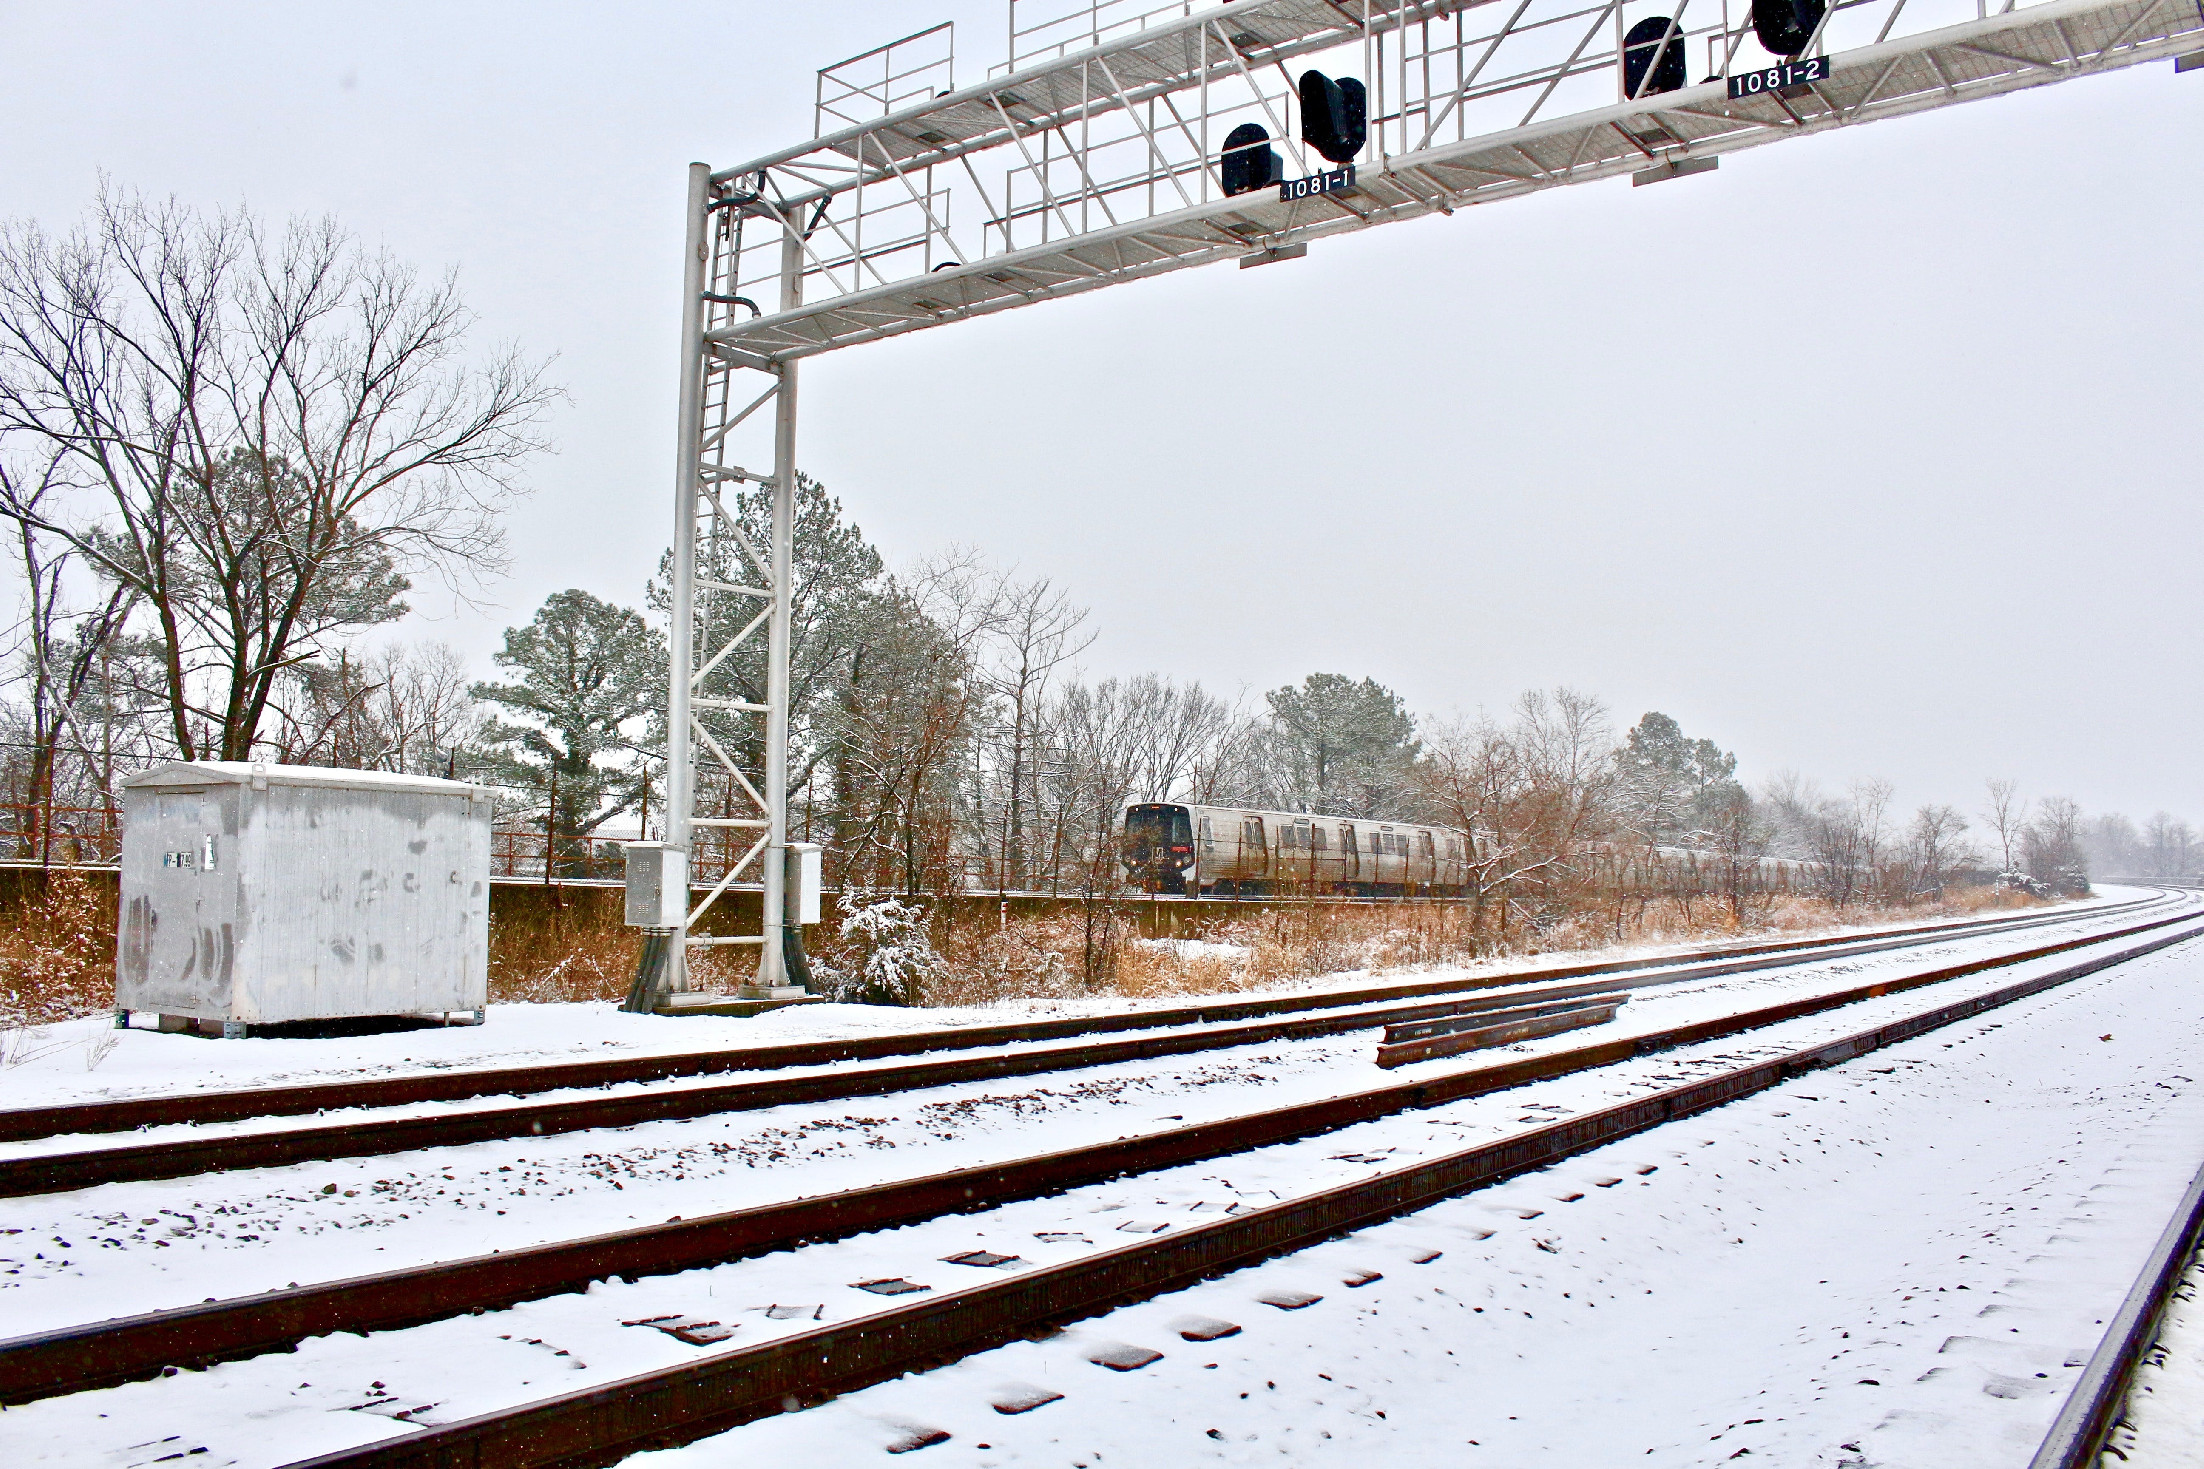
<point>1871,454</point>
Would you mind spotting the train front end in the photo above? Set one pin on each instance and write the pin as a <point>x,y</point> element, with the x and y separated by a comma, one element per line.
<point>1158,848</point>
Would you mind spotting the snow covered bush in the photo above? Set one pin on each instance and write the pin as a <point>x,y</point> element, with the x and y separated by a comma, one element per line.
<point>892,953</point>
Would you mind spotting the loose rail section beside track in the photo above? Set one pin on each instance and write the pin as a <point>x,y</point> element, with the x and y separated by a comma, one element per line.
<point>74,1358</point>
<point>602,1425</point>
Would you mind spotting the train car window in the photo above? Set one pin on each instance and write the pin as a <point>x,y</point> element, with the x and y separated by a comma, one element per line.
<point>1398,842</point>
<point>1424,847</point>
<point>1159,825</point>
<point>1346,839</point>
<point>1316,838</point>
<point>1207,843</point>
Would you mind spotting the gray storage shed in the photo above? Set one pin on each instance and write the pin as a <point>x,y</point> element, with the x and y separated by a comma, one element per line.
<point>257,893</point>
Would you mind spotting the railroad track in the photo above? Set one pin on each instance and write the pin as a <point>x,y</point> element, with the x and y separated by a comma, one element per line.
<point>74,1358</point>
<point>1220,1026</point>
<point>28,1123</point>
<point>605,1424</point>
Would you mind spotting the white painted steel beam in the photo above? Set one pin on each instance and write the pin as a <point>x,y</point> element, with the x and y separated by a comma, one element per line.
<point>2035,46</point>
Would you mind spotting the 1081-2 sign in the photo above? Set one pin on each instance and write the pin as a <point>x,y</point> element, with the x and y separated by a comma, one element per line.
<point>1779,78</point>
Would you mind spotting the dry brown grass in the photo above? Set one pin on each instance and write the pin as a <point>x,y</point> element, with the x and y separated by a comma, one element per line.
<point>1068,954</point>
<point>585,952</point>
<point>57,962</point>
<point>57,954</point>
<point>537,960</point>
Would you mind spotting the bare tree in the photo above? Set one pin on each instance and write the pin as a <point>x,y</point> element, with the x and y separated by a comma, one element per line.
<point>1934,849</point>
<point>65,646</point>
<point>1834,839</point>
<point>404,708</point>
<point>1738,832</point>
<point>1471,777</point>
<point>2115,847</point>
<point>1870,816</point>
<point>2007,814</point>
<point>259,435</point>
<point>1037,632</point>
<point>2052,846</point>
<point>1538,793</point>
<point>1109,743</point>
<point>2168,843</point>
<point>908,707</point>
<point>1830,834</point>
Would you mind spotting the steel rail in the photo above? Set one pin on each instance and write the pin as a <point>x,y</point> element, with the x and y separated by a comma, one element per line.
<point>30,1123</point>
<point>38,1173</point>
<point>2093,1407</point>
<point>71,1359</point>
<point>600,1426</point>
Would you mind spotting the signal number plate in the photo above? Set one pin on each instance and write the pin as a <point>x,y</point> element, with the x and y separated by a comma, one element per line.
<point>1338,181</point>
<point>1779,78</point>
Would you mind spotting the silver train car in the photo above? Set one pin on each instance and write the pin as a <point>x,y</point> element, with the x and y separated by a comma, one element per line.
<point>1228,851</point>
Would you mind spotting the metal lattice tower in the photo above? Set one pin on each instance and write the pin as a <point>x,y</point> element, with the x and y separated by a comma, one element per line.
<point>1092,158</point>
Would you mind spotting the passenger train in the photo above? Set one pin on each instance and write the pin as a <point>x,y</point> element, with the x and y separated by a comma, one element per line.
<point>1228,851</point>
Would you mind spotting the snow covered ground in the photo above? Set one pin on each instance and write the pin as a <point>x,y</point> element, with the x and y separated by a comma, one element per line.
<point>128,1247</point>
<point>2014,1163</point>
<point>1900,1262</point>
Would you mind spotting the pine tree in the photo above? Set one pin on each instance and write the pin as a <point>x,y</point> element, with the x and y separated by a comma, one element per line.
<point>589,672</point>
<point>1348,746</point>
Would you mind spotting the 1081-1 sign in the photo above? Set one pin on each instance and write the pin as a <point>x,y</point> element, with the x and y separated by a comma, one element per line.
<point>1779,78</point>
<point>1338,181</point>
